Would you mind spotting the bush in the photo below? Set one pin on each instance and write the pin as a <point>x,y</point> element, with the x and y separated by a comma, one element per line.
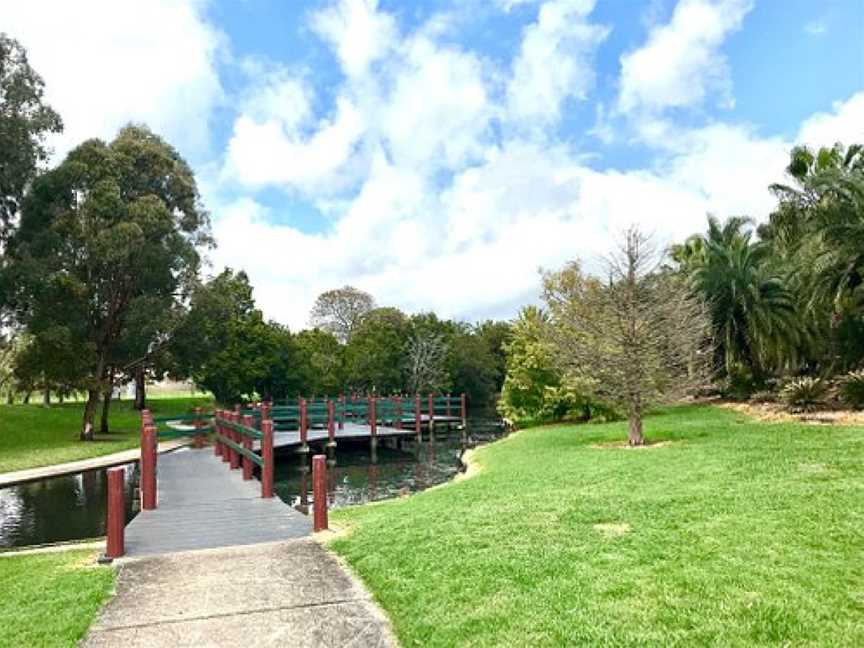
<point>851,389</point>
<point>804,394</point>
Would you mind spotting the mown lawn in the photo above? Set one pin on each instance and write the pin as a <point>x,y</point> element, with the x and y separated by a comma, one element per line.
<point>50,599</point>
<point>33,435</point>
<point>735,533</point>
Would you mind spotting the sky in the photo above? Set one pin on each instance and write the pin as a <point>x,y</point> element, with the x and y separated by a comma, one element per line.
<point>437,154</point>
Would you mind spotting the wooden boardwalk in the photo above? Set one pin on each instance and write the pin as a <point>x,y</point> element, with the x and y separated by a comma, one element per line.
<point>204,505</point>
<point>351,431</point>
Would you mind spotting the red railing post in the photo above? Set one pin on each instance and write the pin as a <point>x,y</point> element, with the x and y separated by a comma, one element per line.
<point>237,438</point>
<point>248,421</point>
<point>267,456</point>
<point>331,422</point>
<point>398,403</point>
<point>148,467</point>
<point>198,438</point>
<point>304,426</point>
<point>418,419</point>
<point>217,430</point>
<point>342,411</point>
<point>226,449</point>
<point>319,493</point>
<point>115,525</point>
<point>431,414</point>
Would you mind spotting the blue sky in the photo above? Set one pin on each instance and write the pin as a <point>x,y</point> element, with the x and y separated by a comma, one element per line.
<point>438,153</point>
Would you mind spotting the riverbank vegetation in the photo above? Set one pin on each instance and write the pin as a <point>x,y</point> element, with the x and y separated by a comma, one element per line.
<point>723,531</point>
<point>50,599</point>
<point>34,435</point>
<point>785,300</point>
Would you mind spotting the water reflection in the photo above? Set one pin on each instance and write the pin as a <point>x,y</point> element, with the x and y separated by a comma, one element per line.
<point>71,507</point>
<point>355,475</point>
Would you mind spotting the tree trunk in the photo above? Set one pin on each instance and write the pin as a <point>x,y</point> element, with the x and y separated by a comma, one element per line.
<point>634,434</point>
<point>10,397</point>
<point>140,389</point>
<point>27,397</point>
<point>46,397</point>
<point>89,412</point>
<point>106,405</point>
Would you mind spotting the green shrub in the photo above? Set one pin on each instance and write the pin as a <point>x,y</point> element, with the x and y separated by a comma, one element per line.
<point>804,394</point>
<point>851,389</point>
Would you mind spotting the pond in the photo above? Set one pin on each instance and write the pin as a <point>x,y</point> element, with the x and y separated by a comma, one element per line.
<point>72,507</point>
<point>354,479</point>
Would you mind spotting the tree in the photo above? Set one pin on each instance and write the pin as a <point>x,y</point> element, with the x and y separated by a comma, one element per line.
<point>752,311</point>
<point>25,121</point>
<point>638,335</point>
<point>426,358</point>
<point>340,311</point>
<point>320,362</point>
<point>112,225</point>
<point>375,354</point>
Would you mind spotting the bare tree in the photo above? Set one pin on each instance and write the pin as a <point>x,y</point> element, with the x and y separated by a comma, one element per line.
<point>638,335</point>
<point>339,311</point>
<point>427,354</point>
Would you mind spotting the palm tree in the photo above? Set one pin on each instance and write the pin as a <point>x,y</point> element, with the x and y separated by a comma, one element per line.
<point>752,311</point>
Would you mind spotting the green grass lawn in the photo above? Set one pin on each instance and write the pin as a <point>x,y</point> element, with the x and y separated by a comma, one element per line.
<point>50,599</point>
<point>33,435</point>
<point>735,533</point>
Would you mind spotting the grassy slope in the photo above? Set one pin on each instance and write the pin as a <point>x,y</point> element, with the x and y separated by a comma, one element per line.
<point>741,533</point>
<point>50,599</point>
<point>32,435</point>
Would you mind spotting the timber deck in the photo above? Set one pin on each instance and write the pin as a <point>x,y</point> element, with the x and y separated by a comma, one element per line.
<point>203,505</point>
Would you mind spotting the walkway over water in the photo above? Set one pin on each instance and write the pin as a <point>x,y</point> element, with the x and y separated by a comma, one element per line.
<point>202,505</point>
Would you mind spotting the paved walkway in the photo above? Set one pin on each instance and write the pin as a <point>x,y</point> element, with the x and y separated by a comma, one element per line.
<point>278,594</point>
<point>201,504</point>
<point>71,467</point>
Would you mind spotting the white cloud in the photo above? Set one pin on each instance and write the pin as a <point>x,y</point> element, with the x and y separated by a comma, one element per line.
<point>682,62</point>
<point>845,123</point>
<point>107,62</point>
<point>358,32</point>
<point>555,60</point>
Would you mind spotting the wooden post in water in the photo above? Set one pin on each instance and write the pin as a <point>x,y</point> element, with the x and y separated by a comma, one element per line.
<point>115,525</point>
<point>267,456</point>
<point>248,421</point>
<point>319,493</point>
<point>331,426</point>
<point>418,419</point>
<point>447,406</point>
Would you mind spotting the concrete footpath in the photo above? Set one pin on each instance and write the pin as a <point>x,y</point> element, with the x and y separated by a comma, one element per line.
<point>72,467</point>
<point>292,593</point>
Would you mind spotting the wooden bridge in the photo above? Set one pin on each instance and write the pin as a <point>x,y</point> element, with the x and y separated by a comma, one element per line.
<point>199,502</point>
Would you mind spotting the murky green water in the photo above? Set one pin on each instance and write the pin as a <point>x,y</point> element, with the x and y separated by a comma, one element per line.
<point>71,507</point>
<point>355,479</point>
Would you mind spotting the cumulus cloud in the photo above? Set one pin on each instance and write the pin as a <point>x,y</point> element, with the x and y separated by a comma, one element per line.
<point>682,62</point>
<point>555,61</point>
<point>106,63</point>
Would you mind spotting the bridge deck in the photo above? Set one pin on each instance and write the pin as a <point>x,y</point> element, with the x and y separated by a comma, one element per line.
<point>202,505</point>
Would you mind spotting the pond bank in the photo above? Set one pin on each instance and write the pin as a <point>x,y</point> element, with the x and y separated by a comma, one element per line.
<point>82,465</point>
